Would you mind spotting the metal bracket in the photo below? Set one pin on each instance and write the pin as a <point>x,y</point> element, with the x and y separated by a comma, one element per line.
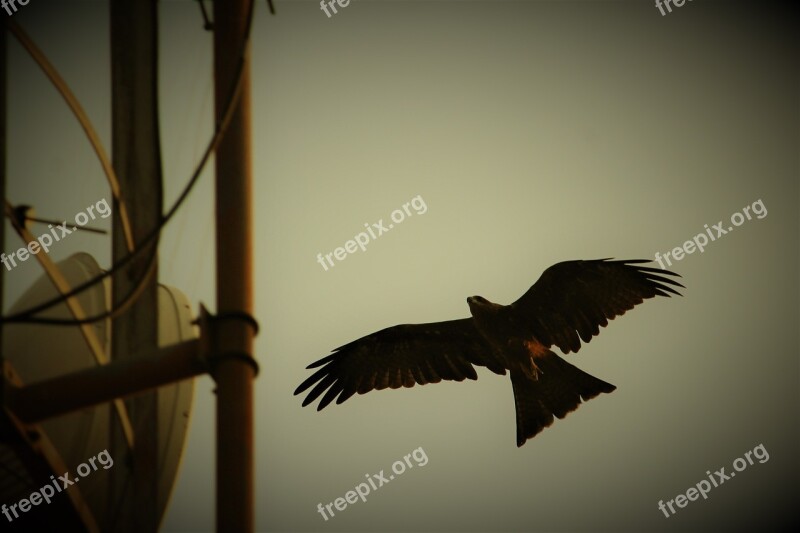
<point>225,325</point>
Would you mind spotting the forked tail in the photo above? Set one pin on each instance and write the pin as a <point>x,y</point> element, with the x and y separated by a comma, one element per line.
<point>557,391</point>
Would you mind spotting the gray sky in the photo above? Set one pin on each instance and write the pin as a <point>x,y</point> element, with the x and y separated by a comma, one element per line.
<point>535,132</point>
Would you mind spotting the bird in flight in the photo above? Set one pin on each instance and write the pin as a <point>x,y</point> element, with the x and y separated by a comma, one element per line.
<point>567,305</point>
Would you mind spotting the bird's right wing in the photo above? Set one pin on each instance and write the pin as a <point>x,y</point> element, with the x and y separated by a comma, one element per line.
<point>571,300</point>
<point>400,356</point>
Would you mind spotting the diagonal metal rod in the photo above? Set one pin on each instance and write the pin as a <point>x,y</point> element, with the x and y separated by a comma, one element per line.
<point>63,394</point>
<point>57,222</point>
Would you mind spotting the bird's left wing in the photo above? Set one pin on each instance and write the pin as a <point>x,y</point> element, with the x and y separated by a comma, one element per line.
<point>572,299</point>
<point>400,356</point>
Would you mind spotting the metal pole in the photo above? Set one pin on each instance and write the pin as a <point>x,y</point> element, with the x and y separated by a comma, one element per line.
<point>233,367</point>
<point>63,394</point>
<point>3,140</point>
<point>137,161</point>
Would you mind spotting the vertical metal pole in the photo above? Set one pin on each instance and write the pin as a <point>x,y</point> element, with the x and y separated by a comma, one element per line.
<point>233,375</point>
<point>3,141</point>
<point>137,162</point>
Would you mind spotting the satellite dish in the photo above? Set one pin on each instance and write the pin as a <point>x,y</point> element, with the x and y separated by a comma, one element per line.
<point>38,352</point>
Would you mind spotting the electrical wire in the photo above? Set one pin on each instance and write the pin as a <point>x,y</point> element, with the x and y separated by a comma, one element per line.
<point>24,316</point>
<point>133,295</point>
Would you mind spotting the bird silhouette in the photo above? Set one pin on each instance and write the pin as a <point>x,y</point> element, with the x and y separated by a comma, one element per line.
<point>566,305</point>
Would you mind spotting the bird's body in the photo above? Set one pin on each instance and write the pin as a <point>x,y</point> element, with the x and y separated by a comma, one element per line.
<point>567,304</point>
<point>499,327</point>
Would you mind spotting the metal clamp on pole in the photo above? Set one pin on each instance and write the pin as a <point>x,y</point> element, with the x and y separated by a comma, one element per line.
<point>219,330</point>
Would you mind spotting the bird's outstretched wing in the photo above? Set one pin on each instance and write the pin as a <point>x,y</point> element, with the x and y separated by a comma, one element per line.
<point>572,299</point>
<point>400,356</point>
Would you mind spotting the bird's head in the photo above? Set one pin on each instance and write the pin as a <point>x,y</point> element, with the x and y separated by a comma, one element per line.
<point>479,303</point>
<point>477,300</point>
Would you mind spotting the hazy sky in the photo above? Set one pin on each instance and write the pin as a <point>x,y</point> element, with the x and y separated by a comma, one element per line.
<point>534,132</point>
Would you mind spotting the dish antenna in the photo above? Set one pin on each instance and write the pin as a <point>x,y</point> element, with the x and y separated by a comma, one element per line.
<point>71,439</point>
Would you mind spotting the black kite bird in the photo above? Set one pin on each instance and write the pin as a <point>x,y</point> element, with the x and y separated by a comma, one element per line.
<point>566,305</point>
